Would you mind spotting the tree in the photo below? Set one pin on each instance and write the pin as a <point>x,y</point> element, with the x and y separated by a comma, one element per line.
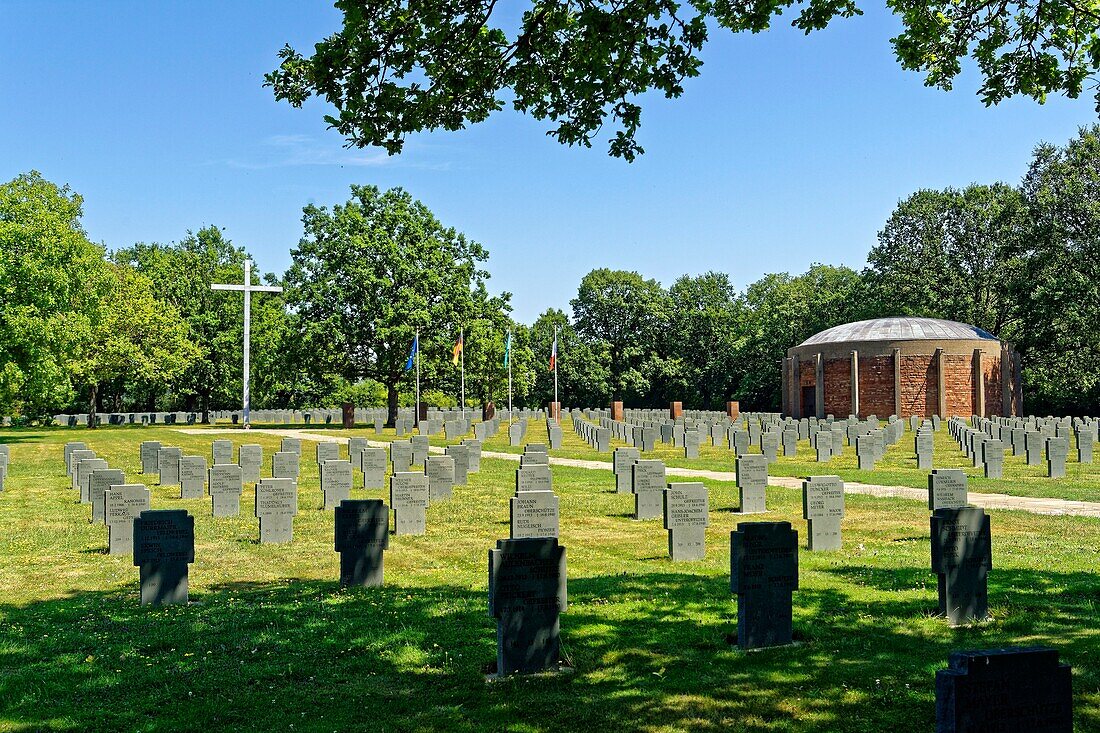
<point>396,68</point>
<point>623,315</point>
<point>705,319</point>
<point>132,335</point>
<point>953,254</point>
<point>367,274</point>
<point>583,368</point>
<point>51,282</point>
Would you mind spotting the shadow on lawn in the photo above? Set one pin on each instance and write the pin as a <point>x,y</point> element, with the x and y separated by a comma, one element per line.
<point>650,650</point>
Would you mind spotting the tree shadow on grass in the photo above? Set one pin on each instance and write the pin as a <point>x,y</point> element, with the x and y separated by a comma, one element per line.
<point>650,651</point>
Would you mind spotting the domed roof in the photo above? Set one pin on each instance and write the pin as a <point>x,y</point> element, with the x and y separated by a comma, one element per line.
<point>899,329</point>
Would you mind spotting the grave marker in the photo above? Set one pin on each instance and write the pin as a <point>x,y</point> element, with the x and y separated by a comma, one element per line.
<point>226,485</point>
<point>527,594</point>
<point>372,462</point>
<point>752,483</point>
<point>99,482</point>
<point>362,536</point>
<point>686,519</point>
<point>192,477</point>
<point>276,505</point>
<point>763,575</point>
<point>164,544</point>
<point>251,459</point>
<point>823,508</point>
<point>648,485</point>
<point>168,465</point>
<point>336,481</point>
<point>946,488</point>
<point>121,503</point>
<point>533,514</point>
<point>409,500</point>
<point>961,558</point>
<point>440,473</point>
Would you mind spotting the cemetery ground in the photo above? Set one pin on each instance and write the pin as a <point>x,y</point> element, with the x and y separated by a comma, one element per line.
<point>271,642</point>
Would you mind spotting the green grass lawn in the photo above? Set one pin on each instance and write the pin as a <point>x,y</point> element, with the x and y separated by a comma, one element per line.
<point>271,642</point>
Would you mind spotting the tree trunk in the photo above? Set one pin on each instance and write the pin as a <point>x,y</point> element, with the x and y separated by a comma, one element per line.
<point>92,406</point>
<point>205,398</point>
<point>391,404</point>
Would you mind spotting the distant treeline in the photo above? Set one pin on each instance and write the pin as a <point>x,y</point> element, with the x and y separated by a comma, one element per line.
<point>88,328</point>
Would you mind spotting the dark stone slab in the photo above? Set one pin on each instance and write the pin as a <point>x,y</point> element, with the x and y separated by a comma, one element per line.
<point>164,544</point>
<point>961,558</point>
<point>1014,690</point>
<point>763,575</point>
<point>362,535</point>
<point>527,594</point>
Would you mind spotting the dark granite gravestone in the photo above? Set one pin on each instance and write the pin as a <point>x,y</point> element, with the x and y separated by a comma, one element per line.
<point>362,536</point>
<point>226,484</point>
<point>1057,450</point>
<point>648,485</point>
<point>527,594</point>
<point>533,514</point>
<point>823,508</point>
<point>752,483</point>
<point>291,445</point>
<point>962,557</point>
<point>149,452</point>
<point>763,575</point>
<point>192,477</point>
<point>420,447</point>
<point>401,456</point>
<point>534,478</point>
<point>621,461</point>
<point>686,516</point>
<point>372,463</point>
<point>168,465</point>
<point>164,544</point>
<point>121,503</point>
<point>946,488</point>
<point>221,451</point>
<point>251,460</point>
<point>409,501</point>
<point>83,475</point>
<point>285,464</point>
<point>99,481</point>
<point>1014,690</point>
<point>691,443</point>
<point>356,446</point>
<point>276,505</point>
<point>336,480</point>
<point>440,473</point>
<point>327,451</point>
<point>461,454</point>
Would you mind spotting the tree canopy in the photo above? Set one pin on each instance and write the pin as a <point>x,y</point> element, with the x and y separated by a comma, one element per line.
<point>395,68</point>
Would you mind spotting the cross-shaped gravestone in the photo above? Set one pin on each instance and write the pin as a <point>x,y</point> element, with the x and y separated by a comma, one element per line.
<point>823,508</point>
<point>99,481</point>
<point>621,461</point>
<point>149,452</point>
<point>164,544</point>
<point>291,445</point>
<point>285,464</point>
<point>419,447</point>
<point>362,535</point>
<point>461,455</point>
<point>534,478</point>
<point>527,594</point>
<point>327,451</point>
<point>763,575</point>
<point>251,461</point>
<point>401,455</point>
<point>686,517</point>
<point>1057,452</point>
<point>276,505</point>
<point>372,463</point>
<point>409,500</point>
<point>962,557</point>
<point>168,465</point>
<point>221,451</point>
<point>83,474</point>
<point>226,485</point>
<point>247,288</point>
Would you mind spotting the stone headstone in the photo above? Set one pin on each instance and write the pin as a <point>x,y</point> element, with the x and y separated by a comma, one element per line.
<point>372,462</point>
<point>164,544</point>
<point>327,451</point>
<point>251,460</point>
<point>993,458</point>
<point>752,483</point>
<point>534,478</point>
<point>336,481</point>
<point>763,575</point>
<point>99,481</point>
<point>192,477</point>
<point>78,455</point>
<point>356,446</point>
<point>221,451</point>
<point>1033,447</point>
<point>226,484</point>
<point>946,488</point>
<point>362,536</point>
<point>533,514</point>
<point>461,455</point>
<point>291,445</point>
<point>276,505</point>
<point>1057,450</point>
<point>285,464</point>
<point>83,474</point>
<point>420,446</point>
<point>823,508</point>
<point>691,443</point>
<point>622,459</point>
<point>648,485</point>
<point>148,452</point>
<point>923,444</point>
<point>962,557</point>
<point>1014,690</point>
<point>686,517</point>
<point>71,446</point>
<point>527,594</point>
<point>440,472</point>
<point>121,503</point>
<point>473,454</point>
<point>409,501</point>
<point>168,465</point>
<point>401,456</point>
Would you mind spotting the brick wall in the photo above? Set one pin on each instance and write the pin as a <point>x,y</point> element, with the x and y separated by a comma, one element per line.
<point>919,386</point>
<point>876,386</point>
<point>959,384</point>
<point>991,372</point>
<point>838,387</point>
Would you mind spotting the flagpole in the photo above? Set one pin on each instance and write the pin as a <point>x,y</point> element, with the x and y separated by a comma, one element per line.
<point>557,408</point>
<point>462,361</point>
<point>416,419</point>
<point>508,356</point>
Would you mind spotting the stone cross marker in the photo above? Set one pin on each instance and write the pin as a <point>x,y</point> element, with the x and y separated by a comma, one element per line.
<point>192,477</point>
<point>687,516</point>
<point>285,464</point>
<point>962,557</point>
<point>527,594</point>
<point>648,484</point>
<point>221,451</point>
<point>401,455</point>
<point>149,451</point>
<point>168,465</point>
<point>409,500</point>
<point>1033,447</point>
<point>372,462</point>
<point>164,544</point>
<point>83,475</point>
<point>946,488</point>
<point>276,505</point>
<point>867,451</point>
<point>752,483</point>
<point>251,460</point>
<point>790,442</point>
<point>336,481</point>
<point>763,575</point>
<point>123,502</point>
<point>461,455</point>
<point>1004,690</point>
<point>823,508</point>
<point>99,482</point>
<point>327,452</point>
<point>473,454</point>
<point>226,485</point>
<point>440,472</point>
<point>362,535</point>
<point>534,478</point>
<point>533,514</point>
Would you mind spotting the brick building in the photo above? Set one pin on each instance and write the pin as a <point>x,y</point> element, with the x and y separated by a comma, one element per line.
<point>903,367</point>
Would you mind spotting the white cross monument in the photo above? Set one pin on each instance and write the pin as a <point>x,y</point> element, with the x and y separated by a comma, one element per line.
<point>248,288</point>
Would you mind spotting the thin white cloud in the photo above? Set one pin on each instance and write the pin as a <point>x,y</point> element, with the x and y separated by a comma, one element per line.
<point>287,151</point>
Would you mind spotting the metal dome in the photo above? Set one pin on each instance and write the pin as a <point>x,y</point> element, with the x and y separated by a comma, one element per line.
<point>899,329</point>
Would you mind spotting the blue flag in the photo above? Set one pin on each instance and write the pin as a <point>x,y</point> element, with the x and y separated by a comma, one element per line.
<point>412,353</point>
<point>507,349</point>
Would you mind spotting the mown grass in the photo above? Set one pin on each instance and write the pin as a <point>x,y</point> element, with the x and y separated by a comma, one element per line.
<point>270,641</point>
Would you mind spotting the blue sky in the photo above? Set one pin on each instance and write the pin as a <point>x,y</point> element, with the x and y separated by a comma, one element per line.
<point>788,150</point>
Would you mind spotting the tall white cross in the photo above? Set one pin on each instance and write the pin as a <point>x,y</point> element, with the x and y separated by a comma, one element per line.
<point>248,288</point>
